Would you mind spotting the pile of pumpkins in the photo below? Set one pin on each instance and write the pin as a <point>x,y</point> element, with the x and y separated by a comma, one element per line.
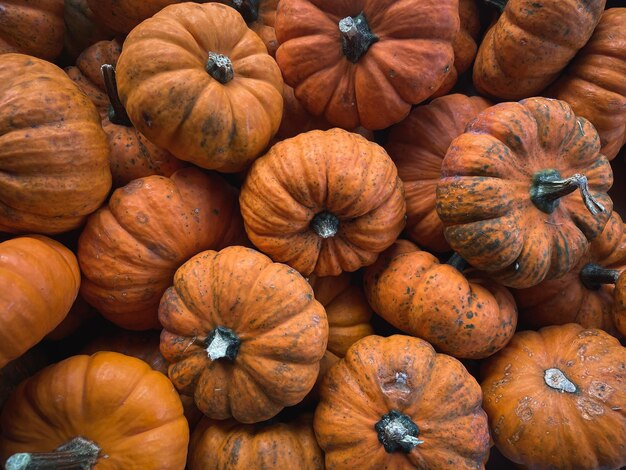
<point>298,234</point>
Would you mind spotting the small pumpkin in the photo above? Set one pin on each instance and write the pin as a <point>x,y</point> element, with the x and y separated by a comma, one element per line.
<point>505,194</point>
<point>336,202</point>
<point>555,398</point>
<point>236,319</point>
<point>395,403</point>
<point>260,16</point>
<point>81,29</point>
<point>90,412</point>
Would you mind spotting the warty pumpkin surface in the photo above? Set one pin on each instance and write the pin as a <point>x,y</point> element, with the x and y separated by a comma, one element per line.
<point>130,249</point>
<point>417,145</point>
<point>127,415</point>
<point>323,202</point>
<point>365,62</point>
<point>524,190</point>
<point>381,407</point>
<point>531,43</point>
<point>237,319</point>
<point>196,81</point>
<point>555,399</point>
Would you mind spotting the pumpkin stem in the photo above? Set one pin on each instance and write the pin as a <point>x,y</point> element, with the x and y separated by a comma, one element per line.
<point>396,431</point>
<point>325,224</point>
<point>593,276</point>
<point>77,454</point>
<point>222,342</point>
<point>220,67</point>
<point>457,262</point>
<point>117,113</point>
<point>556,379</point>
<point>249,9</point>
<point>499,4</point>
<point>547,188</point>
<point>356,37</point>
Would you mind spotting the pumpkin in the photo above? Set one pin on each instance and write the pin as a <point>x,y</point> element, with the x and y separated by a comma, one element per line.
<point>555,399</point>
<point>383,406</point>
<point>336,202</point>
<point>121,16</point>
<point>90,412</point>
<point>33,27</point>
<point>130,249</point>
<point>620,304</point>
<point>594,84</point>
<point>584,295</point>
<point>39,280</point>
<point>272,444</point>
<point>46,186</point>
<point>417,145</point>
<point>364,63</point>
<point>460,316</point>
<point>531,43</point>
<point>196,81</point>
<point>81,29</point>
<point>260,16</point>
<point>505,198</point>
<point>237,319</point>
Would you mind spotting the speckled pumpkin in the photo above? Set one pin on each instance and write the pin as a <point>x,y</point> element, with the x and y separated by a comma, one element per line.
<point>524,190</point>
<point>382,406</point>
<point>417,146</point>
<point>336,202</point>
<point>555,399</point>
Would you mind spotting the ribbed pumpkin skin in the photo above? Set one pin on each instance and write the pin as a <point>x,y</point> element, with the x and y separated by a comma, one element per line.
<point>402,373</point>
<point>540,427</point>
<point>263,25</point>
<point>33,27</point>
<point>46,185</point>
<point>102,398</point>
<point>594,84</point>
<point>282,330</point>
<point>484,195</point>
<point>130,249</point>
<point>172,99</point>
<point>39,280</point>
<point>410,61</point>
<point>217,445</point>
<point>531,43</point>
<point>417,145</point>
<point>334,171</point>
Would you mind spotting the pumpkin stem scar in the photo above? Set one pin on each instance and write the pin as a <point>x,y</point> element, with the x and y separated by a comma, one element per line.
<point>78,454</point>
<point>499,4</point>
<point>557,380</point>
<point>547,188</point>
<point>249,9</point>
<point>222,342</point>
<point>220,67</point>
<point>396,431</point>
<point>356,37</point>
<point>593,276</point>
<point>325,224</point>
<point>457,262</point>
<point>117,113</point>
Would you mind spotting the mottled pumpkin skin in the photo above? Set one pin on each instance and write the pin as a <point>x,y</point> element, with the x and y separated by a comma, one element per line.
<point>408,63</point>
<point>130,249</point>
<point>406,374</point>
<point>281,445</point>
<point>466,318</point>
<point>46,185</point>
<point>417,145</point>
<point>331,171</point>
<point>619,311</point>
<point>530,44</point>
<point>541,427</point>
<point>102,398</point>
<point>484,195</point>
<point>594,84</point>
<point>172,99</point>
<point>33,27</point>
<point>81,30</point>
<point>282,331</point>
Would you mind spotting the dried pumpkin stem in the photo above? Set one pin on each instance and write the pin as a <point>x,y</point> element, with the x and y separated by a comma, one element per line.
<point>499,4</point>
<point>547,188</point>
<point>325,224</point>
<point>356,37</point>
<point>221,343</point>
<point>457,262</point>
<point>556,379</point>
<point>77,454</point>
<point>220,67</point>
<point>117,113</point>
<point>397,432</point>
<point>249,9</point>
<point>593,276</point>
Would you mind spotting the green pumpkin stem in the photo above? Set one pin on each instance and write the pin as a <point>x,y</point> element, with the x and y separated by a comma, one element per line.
<point>248,9</point>
<point>457,262</point>
<point>220,67</point>
<point>77,454</point>
<point>593,276</point>
<point>117,113</point>
<point>356,37</point>
<point>499,4</point>
<point>556,379</point>
<point>221,343</point>
<point>548,187</point>
<point>397,432</point>
<point>325,224</point>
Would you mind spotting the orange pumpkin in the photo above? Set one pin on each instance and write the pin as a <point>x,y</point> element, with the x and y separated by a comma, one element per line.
<point>121,16</point>
<point>102,411</point>
<point>236,319</point>
<point>260,16</point>
<point>619,311</point>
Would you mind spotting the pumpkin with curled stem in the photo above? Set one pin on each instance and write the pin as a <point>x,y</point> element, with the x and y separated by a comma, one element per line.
<point>524,190</point>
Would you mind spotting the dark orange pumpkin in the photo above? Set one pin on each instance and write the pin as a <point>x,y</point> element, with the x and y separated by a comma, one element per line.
<point>260,16</point>
<point>364,63</point>
<point>81,29</point>
<point>555,399</point>
<point>619,311</point>
<point>417,146</point>
<point>336,202</point>
<point>505,196</point>
<point>244,335</point>
<point>121,16</point>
